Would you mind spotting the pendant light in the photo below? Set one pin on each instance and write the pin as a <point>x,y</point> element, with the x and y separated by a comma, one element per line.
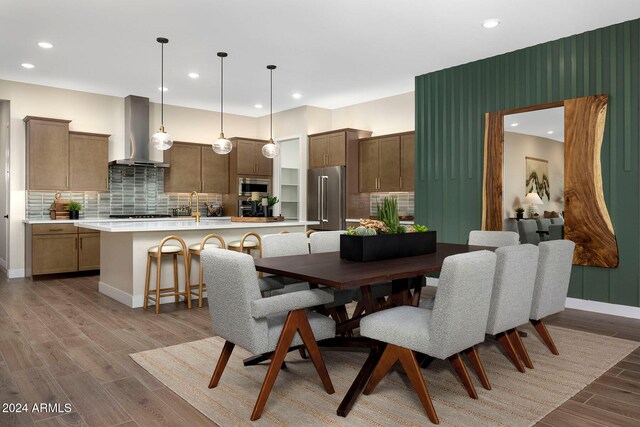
<point>161,140</point>
<point>271,149</point>
<point>222,145</point>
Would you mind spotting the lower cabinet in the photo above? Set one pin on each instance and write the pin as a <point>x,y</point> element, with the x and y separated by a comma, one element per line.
<point>64,248</point>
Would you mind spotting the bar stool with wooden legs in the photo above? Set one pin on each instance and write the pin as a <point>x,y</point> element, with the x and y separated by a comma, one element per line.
<point>157,252</point>
<point>245,245</point>
<point>196,249</point>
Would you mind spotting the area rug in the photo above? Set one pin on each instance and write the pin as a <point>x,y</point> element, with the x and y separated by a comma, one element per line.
<point>298,398</point>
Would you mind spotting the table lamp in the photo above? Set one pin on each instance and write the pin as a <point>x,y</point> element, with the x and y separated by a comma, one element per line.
<point>532,199</point>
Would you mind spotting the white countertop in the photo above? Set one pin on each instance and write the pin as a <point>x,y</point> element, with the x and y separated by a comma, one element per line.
<point>173,225</point>
<point>94,220</point>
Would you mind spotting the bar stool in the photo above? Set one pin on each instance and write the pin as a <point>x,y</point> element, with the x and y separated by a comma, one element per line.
<point>196,249</point>
<point>157,252</point>
<point>246,246</point>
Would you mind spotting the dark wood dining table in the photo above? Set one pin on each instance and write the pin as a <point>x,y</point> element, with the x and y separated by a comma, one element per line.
<point>407,276</point>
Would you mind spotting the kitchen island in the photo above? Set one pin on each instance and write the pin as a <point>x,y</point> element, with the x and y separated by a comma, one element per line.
<point>124,245</point>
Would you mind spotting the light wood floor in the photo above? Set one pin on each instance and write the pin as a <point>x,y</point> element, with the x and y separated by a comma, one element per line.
<point>63,342</point>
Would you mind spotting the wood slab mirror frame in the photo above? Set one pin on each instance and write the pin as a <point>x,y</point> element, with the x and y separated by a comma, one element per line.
<point>587,221</point>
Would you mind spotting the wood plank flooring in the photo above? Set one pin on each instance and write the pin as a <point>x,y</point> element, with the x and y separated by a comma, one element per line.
<point>63,342</point>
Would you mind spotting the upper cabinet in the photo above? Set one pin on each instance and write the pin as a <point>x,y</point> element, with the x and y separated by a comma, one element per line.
<point>386,163</point>
<point>327,150</point>
<point>248,159</point>
<point>61,160</point>
<point>88,161</point>
<point>195,167</point>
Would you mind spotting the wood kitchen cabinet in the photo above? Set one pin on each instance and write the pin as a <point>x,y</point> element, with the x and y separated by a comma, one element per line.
<point>387,163</point>
<point>88,161</point>
<point>61,248</point>
<point>195,167</point>
<point>248,158</point>
<point>58,159</point>
<point>328,150</point>
<point>47,153</point>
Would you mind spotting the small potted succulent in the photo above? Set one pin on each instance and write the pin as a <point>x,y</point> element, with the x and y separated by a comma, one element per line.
<point>385,237</point>
<point>74,209</point>
<point>519,213</point>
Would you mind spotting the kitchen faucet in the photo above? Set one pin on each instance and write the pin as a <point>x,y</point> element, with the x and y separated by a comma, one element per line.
<point>196,215</point>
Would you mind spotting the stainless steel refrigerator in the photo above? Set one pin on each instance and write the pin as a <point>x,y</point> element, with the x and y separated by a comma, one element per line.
<point>326,198</point>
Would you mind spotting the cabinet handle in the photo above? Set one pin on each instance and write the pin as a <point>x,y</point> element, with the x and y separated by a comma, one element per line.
<point>80,242</point>
<point>67,178</point>
<point>55,229</point>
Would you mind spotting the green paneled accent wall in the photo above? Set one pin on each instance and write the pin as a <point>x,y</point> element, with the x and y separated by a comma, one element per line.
<point>450,107</point>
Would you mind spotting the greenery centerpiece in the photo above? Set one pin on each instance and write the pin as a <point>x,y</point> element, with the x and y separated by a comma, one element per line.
<point>520,212</point>
<point>385,237</point>
<point>74,209</point>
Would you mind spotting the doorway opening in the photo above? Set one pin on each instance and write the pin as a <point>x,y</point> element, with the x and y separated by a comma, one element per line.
<point>5,118</point>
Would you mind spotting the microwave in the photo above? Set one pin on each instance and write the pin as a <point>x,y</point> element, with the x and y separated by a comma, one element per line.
<point>246,186</point>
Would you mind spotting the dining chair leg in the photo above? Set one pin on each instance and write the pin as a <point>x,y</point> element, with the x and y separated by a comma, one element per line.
<point>507,346</point>
<point>518,345</point>
<point>306,333</point>
<point>478,367</point>
<point>146,282</point>
<point>222,363</point>
<point>544,335</point>
<point>158,282</point>
<point>303,353</point>
<point>461,370</point>
<point>410,365</point>
<point>389,358</point>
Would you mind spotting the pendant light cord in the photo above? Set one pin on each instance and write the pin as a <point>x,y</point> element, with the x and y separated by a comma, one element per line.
<point>271,106</point>
<point>162,84</point>
<point>221,94</point>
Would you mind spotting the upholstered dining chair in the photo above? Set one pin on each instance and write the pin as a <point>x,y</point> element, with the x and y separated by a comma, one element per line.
<point>494,239</point>
<point>558,221</point>
<point>552,283</point>
<point>455,325</point>
<point>543,225</point>
<point>262,325</point>
<point>284,244</point>
<point>556,232</point>
<point>511,299</point>
<point>527,229</point>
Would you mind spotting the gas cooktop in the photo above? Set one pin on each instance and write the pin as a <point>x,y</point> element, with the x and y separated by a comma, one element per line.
<point>139,216</point>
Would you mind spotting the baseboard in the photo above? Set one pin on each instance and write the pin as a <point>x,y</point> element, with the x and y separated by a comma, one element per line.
<point>14,273</point>
<point>603,307</point>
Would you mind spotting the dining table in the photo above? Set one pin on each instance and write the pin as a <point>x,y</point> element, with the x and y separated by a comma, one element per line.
<point>407,277</point>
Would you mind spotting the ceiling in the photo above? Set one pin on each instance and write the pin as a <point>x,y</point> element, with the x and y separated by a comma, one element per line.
<point>538,123</point>
<point>334,52</point>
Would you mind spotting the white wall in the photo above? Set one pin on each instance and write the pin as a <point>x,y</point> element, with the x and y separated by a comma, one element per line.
<point>93,113</point>
<point>517,146</point>
<point>381,116</point>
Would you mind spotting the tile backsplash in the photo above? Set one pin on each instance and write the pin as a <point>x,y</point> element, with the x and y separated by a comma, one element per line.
<point>405,202</point>
<point>133,190</point>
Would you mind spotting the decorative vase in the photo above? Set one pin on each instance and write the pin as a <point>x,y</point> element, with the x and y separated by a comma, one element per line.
<point>519,215</point>
<point>74,214</point>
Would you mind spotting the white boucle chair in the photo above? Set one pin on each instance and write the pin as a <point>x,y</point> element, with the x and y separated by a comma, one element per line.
<point>552,284</point>
<point>262,325</point>
<point>454,326</point>
<point>511,299</point>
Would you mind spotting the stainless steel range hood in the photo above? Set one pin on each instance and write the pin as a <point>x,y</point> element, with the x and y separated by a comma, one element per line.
<point>136,134</point>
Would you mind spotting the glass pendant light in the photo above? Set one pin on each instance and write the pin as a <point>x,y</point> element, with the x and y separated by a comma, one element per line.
<point>161,140</point>
<point>222,145</point>
<point>271,149</point>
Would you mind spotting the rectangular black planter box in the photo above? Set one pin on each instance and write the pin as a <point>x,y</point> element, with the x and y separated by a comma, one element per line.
<point>386,246</point>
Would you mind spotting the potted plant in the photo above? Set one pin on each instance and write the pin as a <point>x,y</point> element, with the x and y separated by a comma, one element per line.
<point>271,202</point>
<point>519,213</point>
<point>385,237</point>
<point>74,209</point>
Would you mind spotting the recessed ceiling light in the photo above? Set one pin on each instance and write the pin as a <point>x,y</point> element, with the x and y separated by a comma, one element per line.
<point>549,132</point>
<point>194,75</point>
<point>28,66</point>
<point>164,89</point>
<point>296,95</point>
<point>258,105</point>
<point>45,45</point>
<point>513,125</point>
<point>490,23</point>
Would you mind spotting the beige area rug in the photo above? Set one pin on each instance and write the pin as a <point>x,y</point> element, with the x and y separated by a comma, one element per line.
<point>298,398</point>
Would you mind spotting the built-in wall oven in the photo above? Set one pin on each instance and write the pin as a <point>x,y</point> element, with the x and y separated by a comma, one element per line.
<point>247,186</point>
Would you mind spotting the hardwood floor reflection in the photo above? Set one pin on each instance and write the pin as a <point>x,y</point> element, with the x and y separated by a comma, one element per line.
<point>63,342</point>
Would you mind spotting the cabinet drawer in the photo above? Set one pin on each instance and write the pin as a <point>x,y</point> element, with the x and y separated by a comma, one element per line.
<point>54,229</point>
<point>83,230</point>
